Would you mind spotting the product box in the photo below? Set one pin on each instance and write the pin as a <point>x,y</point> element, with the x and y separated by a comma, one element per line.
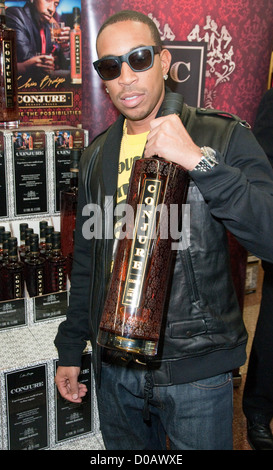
<point>30,172</point>
<point>25,408</point>
<point>36,163</point>
<point>65,140</point>
<point>75,419</point>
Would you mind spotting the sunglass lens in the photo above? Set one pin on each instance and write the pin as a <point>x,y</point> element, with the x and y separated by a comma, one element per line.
<point>109,69</point>
<point>140,60</point>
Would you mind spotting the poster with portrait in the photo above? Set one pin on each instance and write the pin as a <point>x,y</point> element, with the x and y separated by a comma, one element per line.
<point>49,60</point>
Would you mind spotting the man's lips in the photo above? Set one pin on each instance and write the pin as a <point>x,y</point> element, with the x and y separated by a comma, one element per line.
<point>131,100</point>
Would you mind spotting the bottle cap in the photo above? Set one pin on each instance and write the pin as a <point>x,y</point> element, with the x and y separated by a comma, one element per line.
<point>76,15</point>
<point>56,240</point>
<point>34,242</point>
<point>43,224</point>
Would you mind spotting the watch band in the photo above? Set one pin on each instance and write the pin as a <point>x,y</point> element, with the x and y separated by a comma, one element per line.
<point>208,160</point>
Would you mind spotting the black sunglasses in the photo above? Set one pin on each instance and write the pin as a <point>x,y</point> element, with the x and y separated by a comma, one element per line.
<point>139,60</point>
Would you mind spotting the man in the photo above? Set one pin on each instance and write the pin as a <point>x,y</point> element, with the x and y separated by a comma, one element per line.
<point>36,54</point>
<point>185,393</point>
<point>258,392</point>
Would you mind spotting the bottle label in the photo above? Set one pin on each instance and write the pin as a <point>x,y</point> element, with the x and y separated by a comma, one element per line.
<point>40,282</point>
<point>17,285</point>
<point>143,237</point>
<point>8,75</point>
<point>76,55</point>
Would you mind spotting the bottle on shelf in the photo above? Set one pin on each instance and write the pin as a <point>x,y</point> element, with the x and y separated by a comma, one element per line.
<point>2,231</point>
<point>9,110</point>
<point>56,266</point>
<point>42,225</point>
<point>22,247</point>
<point>76,48</point>
<point>68,204</point>
<point>134,306</point>
<point>5,247</point>
<point>35,269</point>
<point>25,252</point>
<point>48,241</point>
<point>47,253</point>
<point>3,254</point>
<point>12,273</point>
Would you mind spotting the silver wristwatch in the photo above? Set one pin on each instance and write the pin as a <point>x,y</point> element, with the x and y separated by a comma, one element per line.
<point>208,160</point>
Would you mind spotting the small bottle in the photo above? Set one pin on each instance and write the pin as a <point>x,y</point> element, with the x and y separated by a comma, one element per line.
<point>2,231</point>
<point>9,110</point>
<point>76,48</point>
<point>46,254</point>
<point>5,247</point>
<point>48,241</point>
<point>25,252</point>
<point>35,269</point>
<point>4,259</point>
<point>56,266</point>
<point>68,205</point>
<point>22,247</point>
<point>12,273</point>
<point>43,224</point>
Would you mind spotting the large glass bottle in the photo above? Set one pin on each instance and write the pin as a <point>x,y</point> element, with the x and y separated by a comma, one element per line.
<point>9,110</point>
<point>76,48</point>
<point>134,305</point>
<point>68,205</point>
<point>12,273</point>
<point>35,269</point>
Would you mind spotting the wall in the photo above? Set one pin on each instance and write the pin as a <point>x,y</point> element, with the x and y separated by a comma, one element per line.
<point>239,36</point>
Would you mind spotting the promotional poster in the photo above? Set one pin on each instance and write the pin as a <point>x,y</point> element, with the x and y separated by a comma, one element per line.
<point>49,48</point>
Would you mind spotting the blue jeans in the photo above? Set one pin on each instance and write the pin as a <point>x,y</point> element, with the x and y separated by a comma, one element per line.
<point>194,416</point>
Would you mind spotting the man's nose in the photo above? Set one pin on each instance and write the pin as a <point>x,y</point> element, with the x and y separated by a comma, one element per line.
<point>51,7</point>
<point>127,75</point>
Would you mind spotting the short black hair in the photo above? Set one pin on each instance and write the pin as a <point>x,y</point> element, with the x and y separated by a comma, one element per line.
<point>131,15</point>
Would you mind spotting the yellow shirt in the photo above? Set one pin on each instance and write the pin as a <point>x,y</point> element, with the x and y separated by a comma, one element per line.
<point>132,148</point>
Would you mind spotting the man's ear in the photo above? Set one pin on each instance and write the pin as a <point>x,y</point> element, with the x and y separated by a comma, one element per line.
<point>165,57</point>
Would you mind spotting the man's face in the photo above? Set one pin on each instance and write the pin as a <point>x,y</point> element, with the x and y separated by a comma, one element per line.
<point>137,95</point>
<point>45,9</point>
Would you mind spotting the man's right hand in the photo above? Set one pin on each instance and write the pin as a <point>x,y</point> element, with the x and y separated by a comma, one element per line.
<point>67,382</point>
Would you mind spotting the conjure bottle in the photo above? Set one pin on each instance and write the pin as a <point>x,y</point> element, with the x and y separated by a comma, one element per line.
<point>2,231</point>
<point>12,273</point>
<point>68,204</point>
<point>9,110</point>
<point>22,247</point>
<point>24,253</point>
<point>56,266</point>
<point>34,268</point>
<point>42,226</point>
<point>134,305</point>
<point>76,48</point>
